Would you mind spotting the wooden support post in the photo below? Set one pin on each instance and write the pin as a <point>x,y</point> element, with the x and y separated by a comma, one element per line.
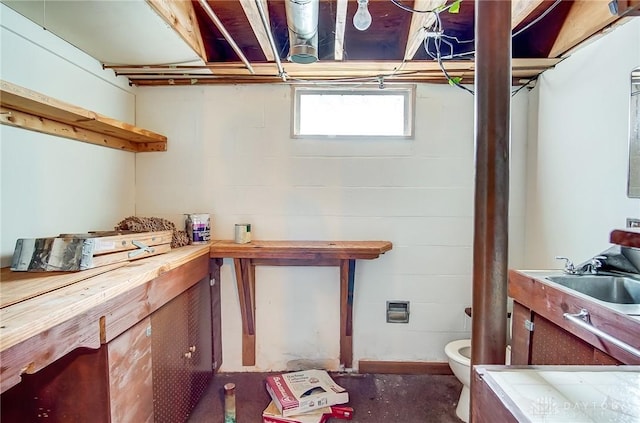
<point>245,279</point>
<point>347,284</point>
<point>492,133</point>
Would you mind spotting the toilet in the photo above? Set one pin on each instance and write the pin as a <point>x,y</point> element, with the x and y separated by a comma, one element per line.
<point>459,355</point>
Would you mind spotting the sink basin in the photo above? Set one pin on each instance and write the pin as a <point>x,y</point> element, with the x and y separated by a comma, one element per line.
<point>612,289</point>
<point>621,292</point>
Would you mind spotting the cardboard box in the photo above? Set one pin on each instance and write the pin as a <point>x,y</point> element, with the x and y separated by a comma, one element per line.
<point>304,391</point>
<point>272,415</point>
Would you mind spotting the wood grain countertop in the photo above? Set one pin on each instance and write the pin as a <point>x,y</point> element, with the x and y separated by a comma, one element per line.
<point>340,250</point>
<point>83,313</point>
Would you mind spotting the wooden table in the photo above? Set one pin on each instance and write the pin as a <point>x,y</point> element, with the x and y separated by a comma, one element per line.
<point>296,253</point>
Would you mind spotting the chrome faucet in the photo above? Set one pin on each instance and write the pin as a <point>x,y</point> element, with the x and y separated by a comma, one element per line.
<point>592,266</point>
<point>568,265</point>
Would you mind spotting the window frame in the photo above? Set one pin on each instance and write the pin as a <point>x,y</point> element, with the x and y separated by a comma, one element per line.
<point>408,91</point>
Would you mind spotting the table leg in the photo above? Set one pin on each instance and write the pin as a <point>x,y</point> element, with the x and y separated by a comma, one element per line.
<point>245,279</point>
<point>347,285</point>
<point>216,312</point>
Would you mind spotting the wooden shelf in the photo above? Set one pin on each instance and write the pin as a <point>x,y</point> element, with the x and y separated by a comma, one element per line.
<point>23,108</point>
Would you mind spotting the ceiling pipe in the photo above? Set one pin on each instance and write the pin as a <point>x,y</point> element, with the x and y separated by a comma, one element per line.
<point>225,34</point>
<point>267,27</point>
<point>302,20</point>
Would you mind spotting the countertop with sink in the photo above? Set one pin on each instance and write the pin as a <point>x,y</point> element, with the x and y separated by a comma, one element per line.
<point>571,333</point>
<point>616,291</point>
<point>543,298</point>
<point>584,318</point>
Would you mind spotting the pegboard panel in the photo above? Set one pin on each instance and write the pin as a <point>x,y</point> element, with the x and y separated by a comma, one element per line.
<point>182,353</point>
<point>553,345</point>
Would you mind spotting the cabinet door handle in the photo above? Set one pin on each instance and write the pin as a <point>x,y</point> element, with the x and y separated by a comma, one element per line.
<point>192,348</point>
<point>582,319</point>
<point>187,354</point>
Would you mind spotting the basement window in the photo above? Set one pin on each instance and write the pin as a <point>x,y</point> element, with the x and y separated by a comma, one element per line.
<point>353,113</point>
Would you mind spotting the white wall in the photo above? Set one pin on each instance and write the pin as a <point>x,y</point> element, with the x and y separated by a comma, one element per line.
<point>578,151</point>
<point>230,155</point>
<point>50,185</point>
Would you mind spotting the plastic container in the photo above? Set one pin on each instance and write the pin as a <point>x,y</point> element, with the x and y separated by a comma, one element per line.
<point>198,227</point>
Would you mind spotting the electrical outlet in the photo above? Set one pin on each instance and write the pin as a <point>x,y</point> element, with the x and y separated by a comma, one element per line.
<point>633,222</point>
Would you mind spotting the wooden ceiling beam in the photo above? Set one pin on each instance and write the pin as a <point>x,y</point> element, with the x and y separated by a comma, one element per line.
<point>181,16</point>
<point>321,68</point>
<point>420,22</point>
<point>520,9</point>
<point>341,21</point>
<point>422,71</point>
<point>431,77</point>
<point>253,15</point>
<point>585,19</point>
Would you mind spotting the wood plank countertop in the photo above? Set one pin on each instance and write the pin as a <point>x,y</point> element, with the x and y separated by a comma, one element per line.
<point>40,329</point>
<point>301,250</point>
<point>21,286</point>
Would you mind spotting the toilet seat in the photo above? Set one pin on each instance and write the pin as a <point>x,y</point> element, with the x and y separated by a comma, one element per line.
<point>459,351</point>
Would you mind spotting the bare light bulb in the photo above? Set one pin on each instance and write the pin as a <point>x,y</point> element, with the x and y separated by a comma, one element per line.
<point>362,18</point>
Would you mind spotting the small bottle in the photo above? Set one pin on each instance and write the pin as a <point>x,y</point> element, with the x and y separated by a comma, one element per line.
<point>230,403</point>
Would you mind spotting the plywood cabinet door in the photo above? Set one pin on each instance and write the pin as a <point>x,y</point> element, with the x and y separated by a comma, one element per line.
<point>200,360</point>
<point>520,335</point>
<point>551,344</point>
<point>181,353</point>
<point>154,371</point>
<point>130,379</point>
<point>538,341</point>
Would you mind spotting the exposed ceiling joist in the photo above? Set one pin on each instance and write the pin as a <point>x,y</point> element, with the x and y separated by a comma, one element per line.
<point>420,23</point>
<point>520,9</point>
<point>181,16</point>
<point>253,15</point>
<point>171,40</point>
<point>341,21</point>
<point>585,18</point>
<point>325,71</point>
<point>218,23</point>
<point>263,12</point>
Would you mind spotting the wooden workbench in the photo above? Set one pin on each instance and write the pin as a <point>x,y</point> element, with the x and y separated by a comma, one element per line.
<point>296,253</point>
<point>47,315</point>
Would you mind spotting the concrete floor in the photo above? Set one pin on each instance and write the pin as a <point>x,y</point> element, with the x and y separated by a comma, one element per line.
<point>374,397</point>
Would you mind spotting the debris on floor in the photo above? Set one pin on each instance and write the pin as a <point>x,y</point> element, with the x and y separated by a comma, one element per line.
<point>271,414</point>
<point>308,396</point>
<point>419,398</point>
